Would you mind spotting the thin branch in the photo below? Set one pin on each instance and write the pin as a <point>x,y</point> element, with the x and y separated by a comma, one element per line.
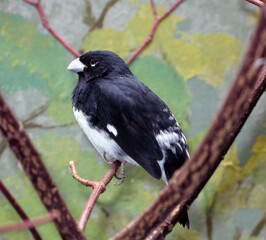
<point>19,210</point>
<point>98,188</point>
<point>186,183</point>
<point>258,3</point>
<point>154,11</point>
<point>45,23</point>
<point>208,215</point>
<point>30,223</point>
<point>28,124</point>
<point>36,125</point>
<point>36,113</point>
<point>156,22</point>
<point>2,146</point>
<point>14,134</point>
<point>99,22</point>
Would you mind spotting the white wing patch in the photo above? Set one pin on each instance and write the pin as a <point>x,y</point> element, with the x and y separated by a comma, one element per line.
<point>111,129</point>
<point>165,138</point>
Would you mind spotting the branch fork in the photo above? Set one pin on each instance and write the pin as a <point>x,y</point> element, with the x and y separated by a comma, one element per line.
<point>83,181</point>
<point>45,23</point>
<point>157,20</point>
<point>98,189</point>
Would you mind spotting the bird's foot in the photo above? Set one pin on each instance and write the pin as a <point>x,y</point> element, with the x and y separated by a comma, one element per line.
<point>122,175</point>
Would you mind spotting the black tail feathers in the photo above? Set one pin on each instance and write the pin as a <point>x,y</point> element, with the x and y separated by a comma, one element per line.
<point>184,221</point>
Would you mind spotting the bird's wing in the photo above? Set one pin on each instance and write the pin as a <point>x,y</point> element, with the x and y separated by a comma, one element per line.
<point>132,109</point>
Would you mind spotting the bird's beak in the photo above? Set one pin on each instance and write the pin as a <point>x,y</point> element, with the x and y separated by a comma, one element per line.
<point>76,66</point>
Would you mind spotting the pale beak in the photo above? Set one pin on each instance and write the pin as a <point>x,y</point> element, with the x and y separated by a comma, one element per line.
<point>76,66</point>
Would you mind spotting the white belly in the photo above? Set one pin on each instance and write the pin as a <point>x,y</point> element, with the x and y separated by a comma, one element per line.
<point>101,140</point>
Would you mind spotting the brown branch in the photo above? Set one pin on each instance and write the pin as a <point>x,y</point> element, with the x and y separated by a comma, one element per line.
<point>156,22</point>
<point>19,210</point>
<point>258,3</point>
<point>30,223</point>
<point>98,188</point>
<point>187,183</point>
<point>36,113</point>
<point>45,23</point>
<point>238,233</point>
<point>259,226</point>
<point>28,124</point>
<point>14,134</point>
<point>2,146</point>
<point>40,126</point>
<point>99,22</point>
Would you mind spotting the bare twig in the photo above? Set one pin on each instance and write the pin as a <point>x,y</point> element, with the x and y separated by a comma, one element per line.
<point>36,113</point>
<point>156,22</point>
<point>99,22</point>
<point>19,210</point>
<point>39,8</point>
<point>14,134</point>
<point>258,3</point>
<point>40,126</point>
<point>208,215</point>
<point>186,184</point>
<point>30,223</point>
<point>2,146</point>
<point>98,188</point>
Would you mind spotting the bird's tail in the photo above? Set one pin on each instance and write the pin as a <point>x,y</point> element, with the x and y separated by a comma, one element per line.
<point>184,221</point>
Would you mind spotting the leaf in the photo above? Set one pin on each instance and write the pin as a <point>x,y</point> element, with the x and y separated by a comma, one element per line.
<point>108,39</point>
<point>184,234</point>
<point>44,69</point>
<point>256,164</point>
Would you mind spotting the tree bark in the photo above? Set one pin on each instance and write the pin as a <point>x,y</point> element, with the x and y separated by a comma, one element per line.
<point>17,139</point>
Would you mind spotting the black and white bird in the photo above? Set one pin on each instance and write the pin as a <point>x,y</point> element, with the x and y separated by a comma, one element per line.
<point>124,119</point>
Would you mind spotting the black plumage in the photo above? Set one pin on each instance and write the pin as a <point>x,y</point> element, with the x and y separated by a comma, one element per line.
<point>124,119</point>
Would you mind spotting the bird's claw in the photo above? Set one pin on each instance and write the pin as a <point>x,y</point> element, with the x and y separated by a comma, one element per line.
<point>120,182</point>
<point>122,175</point>
<point>117,177</point>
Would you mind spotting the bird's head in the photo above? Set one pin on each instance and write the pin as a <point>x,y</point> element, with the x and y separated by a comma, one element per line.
<point>96,64</point>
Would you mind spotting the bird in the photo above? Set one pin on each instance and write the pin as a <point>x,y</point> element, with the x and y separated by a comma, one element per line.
<point>124,119</point>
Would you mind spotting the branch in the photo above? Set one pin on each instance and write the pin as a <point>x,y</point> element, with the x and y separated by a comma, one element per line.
<point>19,210</point>
<point>99,22</point>
<point>258,228</point>
<point>156,22</point>
<point>187,182</point>
<point>36,113</point>
<point>14,134</point>
<point>28,124</point>
<point>98,188</point>
<point>30,223</point>
<point>258,3</point>
<point>40,126</point>
<point>45,23</point>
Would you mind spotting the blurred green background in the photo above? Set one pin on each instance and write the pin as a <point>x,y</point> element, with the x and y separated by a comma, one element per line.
<point>190,64</point>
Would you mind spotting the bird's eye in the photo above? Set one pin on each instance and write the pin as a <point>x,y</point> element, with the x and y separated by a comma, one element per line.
<point>93,62</point>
